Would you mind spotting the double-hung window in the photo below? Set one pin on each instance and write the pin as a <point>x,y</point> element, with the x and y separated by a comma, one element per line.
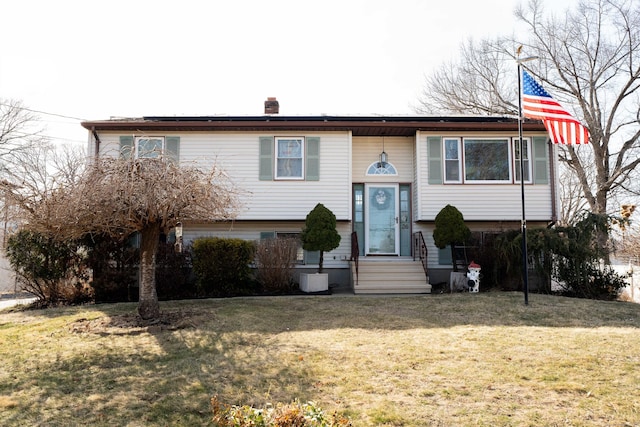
<point>452,158</point>
<point>289,158</point>
<point>150,147</point>
<point>526,158</point>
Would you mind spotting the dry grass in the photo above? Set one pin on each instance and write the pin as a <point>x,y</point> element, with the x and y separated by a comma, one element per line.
<point>462,359</point>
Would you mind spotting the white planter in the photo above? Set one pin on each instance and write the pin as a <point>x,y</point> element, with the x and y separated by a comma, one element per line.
<point>457,282</point>
<point>317,282</point>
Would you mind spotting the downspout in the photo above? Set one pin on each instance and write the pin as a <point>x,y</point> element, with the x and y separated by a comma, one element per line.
<point>97,141</point>
<point>552,177</point>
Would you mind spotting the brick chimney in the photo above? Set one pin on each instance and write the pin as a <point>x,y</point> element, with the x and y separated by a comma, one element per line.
<point>271,106</point>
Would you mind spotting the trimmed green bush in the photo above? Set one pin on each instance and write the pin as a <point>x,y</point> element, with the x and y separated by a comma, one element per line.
<point>450,229</point>
<point>221,266</point>
<point>319,232</point>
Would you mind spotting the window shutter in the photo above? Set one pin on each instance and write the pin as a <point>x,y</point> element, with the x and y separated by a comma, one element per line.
<point>264,235</point>
<point>312,257</point>
<point>126,147</point>
<point>541,160</point>
<point>266,158</point>
<point>444,256</point>
<point>313,159</point>
<point>434,152</point>
<point>172,148</point>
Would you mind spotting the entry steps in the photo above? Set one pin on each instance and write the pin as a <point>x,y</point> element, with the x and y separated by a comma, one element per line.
<point>389,275</point>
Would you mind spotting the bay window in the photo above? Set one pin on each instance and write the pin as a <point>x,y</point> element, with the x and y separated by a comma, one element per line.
<point>485,160</point>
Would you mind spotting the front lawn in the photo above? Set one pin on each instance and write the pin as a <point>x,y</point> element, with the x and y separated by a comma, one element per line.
<point>456,359</point>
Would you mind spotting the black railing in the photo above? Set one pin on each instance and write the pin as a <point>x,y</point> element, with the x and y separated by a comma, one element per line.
<point>355,252</point>
<point>420,250</point>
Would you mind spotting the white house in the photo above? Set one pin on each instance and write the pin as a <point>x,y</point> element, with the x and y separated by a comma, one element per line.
<point>384,177</point>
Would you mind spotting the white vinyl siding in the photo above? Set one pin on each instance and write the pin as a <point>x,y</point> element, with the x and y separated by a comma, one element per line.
<point>238,154</point>
<point>400,152</point>
<point>481,201</point>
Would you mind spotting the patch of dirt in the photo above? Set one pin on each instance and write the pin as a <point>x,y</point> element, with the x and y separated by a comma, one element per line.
<point>132,323</point>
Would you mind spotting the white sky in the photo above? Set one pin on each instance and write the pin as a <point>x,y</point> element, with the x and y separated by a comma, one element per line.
<point>93,59</point>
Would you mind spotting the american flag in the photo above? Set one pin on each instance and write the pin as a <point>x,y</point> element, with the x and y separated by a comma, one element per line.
<point>563,128</point>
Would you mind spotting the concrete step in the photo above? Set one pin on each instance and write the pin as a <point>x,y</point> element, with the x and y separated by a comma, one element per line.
<point>389,276</point>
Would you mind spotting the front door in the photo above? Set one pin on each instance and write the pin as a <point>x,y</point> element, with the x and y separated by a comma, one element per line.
<point>381,219</point>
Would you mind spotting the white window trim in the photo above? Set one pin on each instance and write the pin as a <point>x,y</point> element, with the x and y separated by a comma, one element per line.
<point>137,139</point>
<point>388,169</point>
<point>516,163</point>
<point>444,161</point>
<point>302,158</point>
<point>507,140</point>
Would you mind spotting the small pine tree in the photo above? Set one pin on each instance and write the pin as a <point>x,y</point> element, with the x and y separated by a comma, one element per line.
<point>450,230</point>
<point>319,232</point>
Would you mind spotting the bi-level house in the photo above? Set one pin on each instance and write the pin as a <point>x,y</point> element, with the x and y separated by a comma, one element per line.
<point>384,177</point>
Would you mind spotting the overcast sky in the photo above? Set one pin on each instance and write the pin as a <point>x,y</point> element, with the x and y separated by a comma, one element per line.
<point>94,59</point>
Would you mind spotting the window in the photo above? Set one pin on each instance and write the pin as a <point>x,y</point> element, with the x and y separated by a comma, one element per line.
<point>452,160</point>
<point>526,145</point>
<point>377,168</point>
<point>150,147</point>
<point>299,256</point>
<point>487,160</point>
<point>290,158</point>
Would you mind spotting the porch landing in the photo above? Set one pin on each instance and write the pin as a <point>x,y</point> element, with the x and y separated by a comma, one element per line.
<point>389,275</point>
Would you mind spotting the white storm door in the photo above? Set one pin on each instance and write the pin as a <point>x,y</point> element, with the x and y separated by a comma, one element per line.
<point>382,231</point>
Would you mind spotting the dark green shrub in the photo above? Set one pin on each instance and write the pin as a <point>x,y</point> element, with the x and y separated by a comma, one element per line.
<point>221,266</point>
<point>115,268</point>
<point>319,232</point>
<point>451,230</point>
<point>173,273</point>
<point>55,272</point>
<point>571,255</point>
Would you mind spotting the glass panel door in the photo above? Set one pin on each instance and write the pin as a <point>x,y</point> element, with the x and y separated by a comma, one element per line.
<point>382,230</point>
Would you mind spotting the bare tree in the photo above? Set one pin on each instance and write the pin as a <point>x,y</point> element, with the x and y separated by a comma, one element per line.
<point>19,128</point>
<point>572,204</point>
<point>589,61</point>
<point>20,137</point>
<point>121,196</point>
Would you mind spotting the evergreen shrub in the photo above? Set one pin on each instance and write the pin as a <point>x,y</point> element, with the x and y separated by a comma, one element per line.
<point>221,266</point>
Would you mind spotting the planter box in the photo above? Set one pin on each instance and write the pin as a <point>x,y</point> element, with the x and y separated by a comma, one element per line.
<point>317,282</point>
<point>458,282</point>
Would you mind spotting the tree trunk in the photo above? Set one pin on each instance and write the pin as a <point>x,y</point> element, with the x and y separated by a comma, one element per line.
<point>453,257</point>
<point>148,306</point>
<point>321,262</point>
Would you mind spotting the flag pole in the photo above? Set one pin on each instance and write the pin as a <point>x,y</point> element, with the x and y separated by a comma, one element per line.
<point>525,267</point>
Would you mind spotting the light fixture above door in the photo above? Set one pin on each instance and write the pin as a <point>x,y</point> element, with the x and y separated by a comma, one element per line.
<point>383,156</point>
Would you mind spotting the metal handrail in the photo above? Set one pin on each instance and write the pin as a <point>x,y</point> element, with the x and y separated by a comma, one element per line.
<point>420,250</point>
<point>355,252</point>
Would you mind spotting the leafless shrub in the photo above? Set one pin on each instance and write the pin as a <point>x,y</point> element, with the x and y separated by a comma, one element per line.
<point>275,261</point>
